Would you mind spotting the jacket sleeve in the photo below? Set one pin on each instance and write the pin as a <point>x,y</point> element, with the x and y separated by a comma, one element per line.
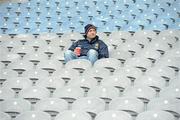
<point>73,46</point>
<point>103,52</point>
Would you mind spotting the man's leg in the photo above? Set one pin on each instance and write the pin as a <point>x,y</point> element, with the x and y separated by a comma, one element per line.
<point>69,55</point>
<point>92,55</point>
<point>83,57</point>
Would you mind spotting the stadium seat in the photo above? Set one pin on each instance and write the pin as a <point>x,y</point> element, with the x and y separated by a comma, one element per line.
<point>120,35</point>
<point>156,82</point>
<point>15,106</point>
<point>160,46</point>
<point>50,51</point>
<point>171,62</point>
<point>53,106</point>
<point>36,57</point>
<point>121,55</point>
<point>170,32</point>
<point>47,36</point>
<point>72,115</point>
<point>33,115</point>
<point>155,115</point>
<point>70,36</point>
<point>174,53</point>
<point>130,72</point>
<point>162,71</point>
<point>24,38</point>
<point>98,73</point>
<point>66,74</point>
<point>109,63</point>
<point>69,93</point>
<point>153,55</point>
<point>8,58</point>
<point>62,43</point>
<point>171,40</point>
<point>6,93</point>
<point>50,65</point>
<point>51,83</point>
<point>131,47</point>
<point>102,36</point>
<point>10,44</point>
<point>4,116</point>
<point>37,43</point>
<point>85,82</point>
<point>131,105</point>
<point>34,93</point>
<point>113,42</point>
<point>17,83</point>
<point>21,66</point>
<point>23,51</point>
<point>113,114</point>
<point>106,93</point>
<point>7,73</point>
<point>78,64</point>
<point>36,74</point>
<point>164,103</point>
<point>172,91</point>
<point>92,105</point>
<point>141,63</point>
<point>144,93</point>
<point>119,81</point>
<point>60,56</point>
<point>144,35</point>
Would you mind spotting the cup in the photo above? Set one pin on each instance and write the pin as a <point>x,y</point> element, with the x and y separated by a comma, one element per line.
<point>77,51</point>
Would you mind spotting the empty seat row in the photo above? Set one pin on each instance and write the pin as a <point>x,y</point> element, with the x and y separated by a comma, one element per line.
<point>106,115</point>
<point>71,93</point>
<point>94,107</point>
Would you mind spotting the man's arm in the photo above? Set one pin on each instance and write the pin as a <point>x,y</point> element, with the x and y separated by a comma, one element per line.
<point>73,46</point>
<point>103,52</point>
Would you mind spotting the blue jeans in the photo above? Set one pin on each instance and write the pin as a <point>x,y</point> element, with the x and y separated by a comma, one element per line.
<point>92,56</point>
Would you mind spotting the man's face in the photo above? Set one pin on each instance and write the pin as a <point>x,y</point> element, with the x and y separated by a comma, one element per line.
<point>91,33</point>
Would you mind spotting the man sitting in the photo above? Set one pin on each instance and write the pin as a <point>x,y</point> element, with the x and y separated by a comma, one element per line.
<point>90,48</point>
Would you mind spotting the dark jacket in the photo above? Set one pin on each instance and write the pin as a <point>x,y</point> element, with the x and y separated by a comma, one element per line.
<point>95,44</point>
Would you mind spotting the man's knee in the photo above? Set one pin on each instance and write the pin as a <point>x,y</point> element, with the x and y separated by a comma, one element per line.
<point>92,52</point>
<point>68,52</point>
<point>69,55</point>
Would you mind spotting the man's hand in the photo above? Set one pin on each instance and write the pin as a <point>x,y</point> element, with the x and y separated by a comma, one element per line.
<point>77,51</point>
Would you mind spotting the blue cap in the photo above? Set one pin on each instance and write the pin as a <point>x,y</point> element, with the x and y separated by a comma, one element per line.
<point>88,27</point>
